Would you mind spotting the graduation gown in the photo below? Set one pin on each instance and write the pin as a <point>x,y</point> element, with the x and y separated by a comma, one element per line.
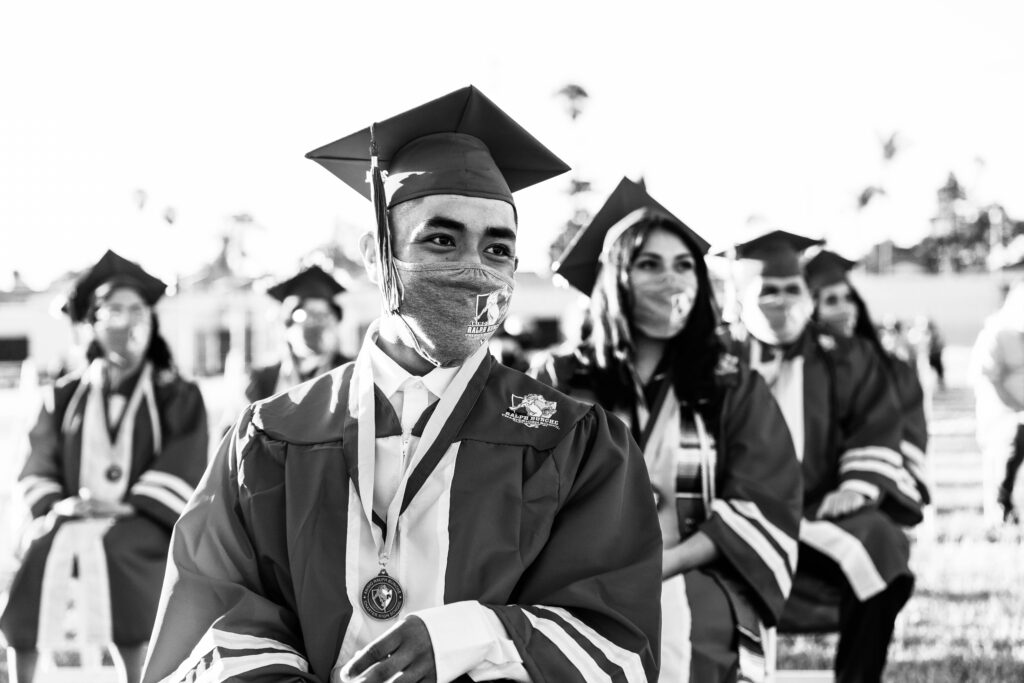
<point>267,380</point>
<point>544,517</point>
<point>845,419</point>
<point>754,518</point>
<point>168,456</point>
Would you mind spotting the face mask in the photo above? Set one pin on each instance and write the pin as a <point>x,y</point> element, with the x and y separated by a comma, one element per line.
<point>307,339</point>
<point>450,309</point>
<point>661,307</point>
<point>840,323</point>
<point>777,319</point>
<point>124,346</point>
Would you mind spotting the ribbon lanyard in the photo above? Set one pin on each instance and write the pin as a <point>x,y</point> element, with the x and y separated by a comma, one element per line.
<point>361,404</point>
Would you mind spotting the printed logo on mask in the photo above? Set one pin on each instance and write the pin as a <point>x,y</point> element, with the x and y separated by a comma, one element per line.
<point>490,310</point>
<point>532,410</point>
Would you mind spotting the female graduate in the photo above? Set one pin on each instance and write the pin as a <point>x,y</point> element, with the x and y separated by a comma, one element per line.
<point>839,309</point>
<point>115,455</point>
<point>721,461</point>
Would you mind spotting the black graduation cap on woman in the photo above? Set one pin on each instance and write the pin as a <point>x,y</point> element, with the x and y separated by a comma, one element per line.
<point>826,268</point>
<point>580,262</point>
<point>460,144</point>
<point>311,283</point>
<point>111,269</point>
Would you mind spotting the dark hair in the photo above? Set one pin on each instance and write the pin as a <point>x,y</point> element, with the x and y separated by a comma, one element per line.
<point>865,327</point>
<point>690,357</point>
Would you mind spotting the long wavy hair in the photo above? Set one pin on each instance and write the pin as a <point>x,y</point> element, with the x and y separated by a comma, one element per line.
<point>690,357</point>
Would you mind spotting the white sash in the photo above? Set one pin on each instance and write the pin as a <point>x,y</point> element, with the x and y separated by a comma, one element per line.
<point>99,454</point>
<point>76,542</point>
<point>366,545</point>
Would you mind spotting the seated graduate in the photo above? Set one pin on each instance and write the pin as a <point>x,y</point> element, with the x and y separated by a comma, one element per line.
<point>841,311</point>
<point>115,455</point>
<point>311,317</point>
<point>423,513</point>
<point>846,424</point>
<point>717,448</point>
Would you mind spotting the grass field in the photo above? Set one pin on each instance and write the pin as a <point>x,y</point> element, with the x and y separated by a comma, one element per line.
<point>966,619</point>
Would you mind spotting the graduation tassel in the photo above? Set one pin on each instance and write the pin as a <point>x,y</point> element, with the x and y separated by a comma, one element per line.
<point>390,282</point>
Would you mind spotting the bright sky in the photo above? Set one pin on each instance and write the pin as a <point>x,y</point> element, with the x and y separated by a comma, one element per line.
<point>729,109</point>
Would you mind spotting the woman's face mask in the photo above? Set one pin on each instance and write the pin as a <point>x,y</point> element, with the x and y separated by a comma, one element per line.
<point>837,310</point>
<point>123,327</point>
<point>663,285</point>
<point>452,308</point>
<point>777,309</point>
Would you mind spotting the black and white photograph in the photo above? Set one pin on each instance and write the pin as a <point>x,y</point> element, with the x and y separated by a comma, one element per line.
<point>547,342</point>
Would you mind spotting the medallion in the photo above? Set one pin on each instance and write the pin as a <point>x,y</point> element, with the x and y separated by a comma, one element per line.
<point>114,473</point>
<point>383,597</point>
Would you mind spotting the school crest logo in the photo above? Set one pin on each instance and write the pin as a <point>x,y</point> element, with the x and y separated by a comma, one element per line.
<point>532,410</point>
<point>490,311</point>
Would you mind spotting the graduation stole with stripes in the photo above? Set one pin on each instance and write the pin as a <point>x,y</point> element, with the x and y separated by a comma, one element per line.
<point>105,462</point>
<point>681,458</point>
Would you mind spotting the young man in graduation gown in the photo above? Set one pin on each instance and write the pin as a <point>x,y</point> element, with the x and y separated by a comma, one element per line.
<point>311,316</point>
<point>844,418</point>
<point>422,512</point>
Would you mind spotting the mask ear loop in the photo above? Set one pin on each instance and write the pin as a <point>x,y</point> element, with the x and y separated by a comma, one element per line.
<point>391,286</point>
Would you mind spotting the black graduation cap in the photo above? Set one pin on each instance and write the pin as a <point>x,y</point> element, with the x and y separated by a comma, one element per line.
<point>461,143</point>
<point>778,250</point>
<point>826,268</point>
<point>313,282</point>
<point>580,262</point>
<point>111,268</point>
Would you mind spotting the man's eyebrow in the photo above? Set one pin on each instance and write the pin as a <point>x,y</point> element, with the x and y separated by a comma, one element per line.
<point>444,222</point>
<point>500,232</point>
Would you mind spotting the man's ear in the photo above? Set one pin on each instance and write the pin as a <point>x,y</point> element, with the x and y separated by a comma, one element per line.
<point>515,265</point>
<point>368,250</point>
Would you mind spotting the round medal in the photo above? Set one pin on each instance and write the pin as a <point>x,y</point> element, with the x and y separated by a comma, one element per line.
<point>382,597</point>
<point>113,473</point>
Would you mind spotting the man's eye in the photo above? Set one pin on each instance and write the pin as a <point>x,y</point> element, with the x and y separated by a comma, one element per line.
<point>500,250</point>
<point>769,290</point>
<point>442,240</point>
<point>793,290</point>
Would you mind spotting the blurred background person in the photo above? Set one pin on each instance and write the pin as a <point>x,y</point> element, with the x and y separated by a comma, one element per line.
<point>725,477</point>
<point>925,335</point>
<point>115,455</point>
<point>840,310</point>
<point>311,317</point>
<point>843,415</point>
<point>997,368</point>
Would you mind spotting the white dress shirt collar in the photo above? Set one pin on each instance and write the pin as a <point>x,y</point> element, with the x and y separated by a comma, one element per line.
<point>390,377</point>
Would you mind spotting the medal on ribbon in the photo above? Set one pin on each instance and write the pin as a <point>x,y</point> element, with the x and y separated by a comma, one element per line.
<point>383,597</point>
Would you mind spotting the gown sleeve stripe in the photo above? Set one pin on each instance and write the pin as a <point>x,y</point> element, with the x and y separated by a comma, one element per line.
<point>165,497</point>
<point>844,548</point>
<point>626,660</point>
<point>224,665</point>
<point>865,488</point>
<point>788,544</point>
<point>581,660</point>
<point>752,536</point>
<point>914,462</point>
<point>881,453</point>
<point>897,475</point>
<point>169,481</point>
<point>34,488</point>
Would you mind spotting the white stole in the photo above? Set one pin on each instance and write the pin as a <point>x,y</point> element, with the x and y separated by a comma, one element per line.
<point>98,452</point>
<point>785,378</point>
